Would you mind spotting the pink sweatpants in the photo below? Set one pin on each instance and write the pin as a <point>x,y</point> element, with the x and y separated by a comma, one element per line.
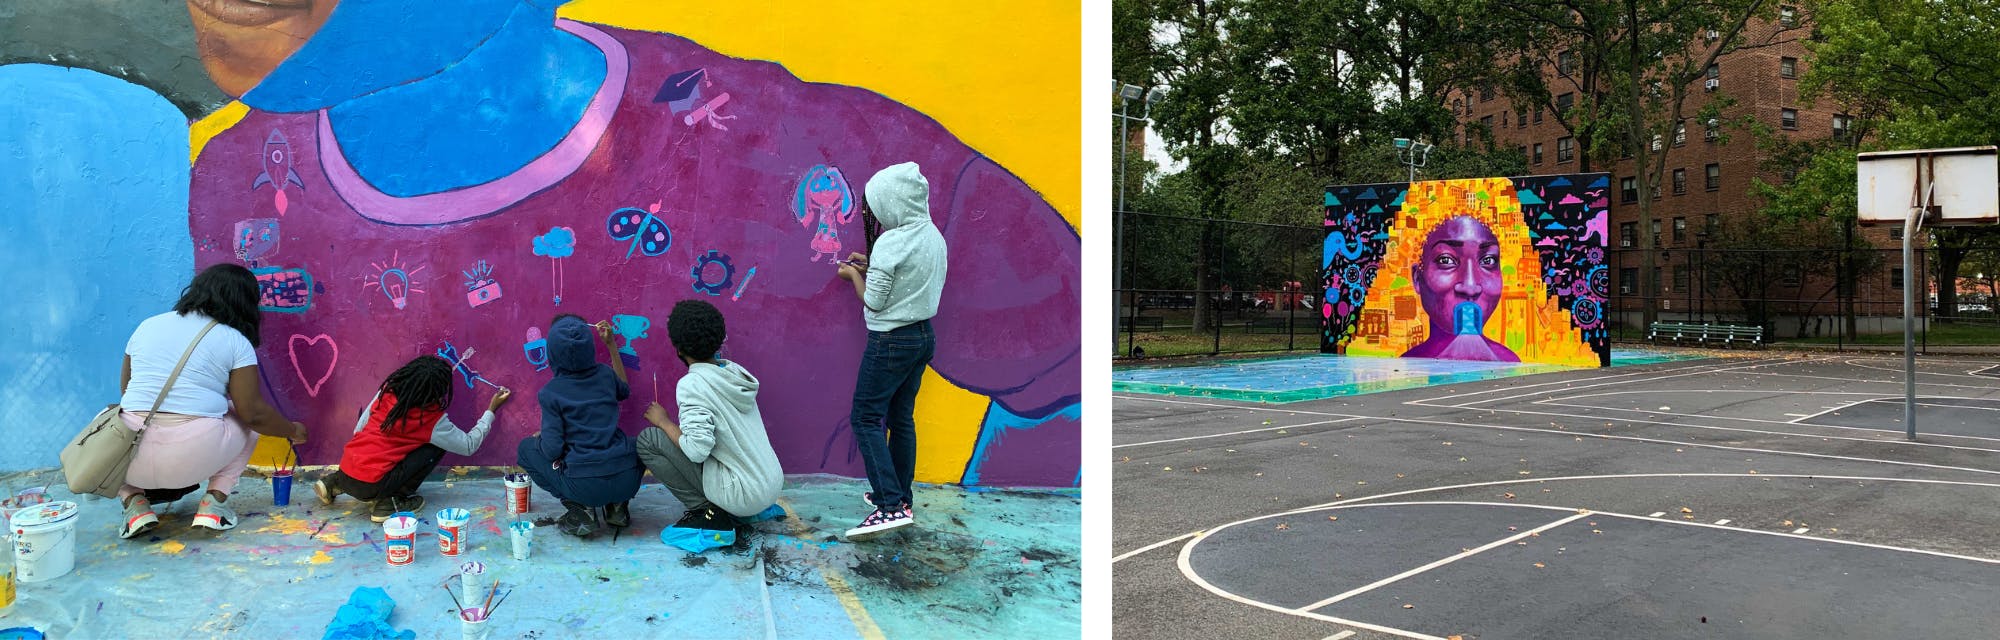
<point>181,451</point>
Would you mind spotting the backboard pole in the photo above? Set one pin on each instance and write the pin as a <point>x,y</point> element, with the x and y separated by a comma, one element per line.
<point>1920,201</point>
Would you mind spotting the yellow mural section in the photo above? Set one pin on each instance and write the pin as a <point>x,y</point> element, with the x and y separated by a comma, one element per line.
<point>1011,93</point>
<point>1530,322</point>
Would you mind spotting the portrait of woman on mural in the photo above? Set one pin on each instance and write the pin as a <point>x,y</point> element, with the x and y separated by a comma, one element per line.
<point>442,138</point>
<point>1459,282</point>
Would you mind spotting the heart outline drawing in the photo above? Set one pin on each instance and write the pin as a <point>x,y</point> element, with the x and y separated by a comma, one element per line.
<point>292,347</point>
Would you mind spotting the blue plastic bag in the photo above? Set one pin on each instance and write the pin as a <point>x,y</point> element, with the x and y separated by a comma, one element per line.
<point>366,617</point>
<point>697,540</point>
<point>772,512</point>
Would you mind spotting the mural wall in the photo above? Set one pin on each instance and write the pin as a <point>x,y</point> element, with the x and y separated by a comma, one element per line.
<point>444,178</point>
<point>1493,269</point>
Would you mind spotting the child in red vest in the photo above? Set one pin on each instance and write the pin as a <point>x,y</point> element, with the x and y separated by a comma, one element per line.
<point>401,437</point>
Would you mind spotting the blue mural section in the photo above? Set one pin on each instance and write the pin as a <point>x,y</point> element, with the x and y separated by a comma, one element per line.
<point>95,179</point>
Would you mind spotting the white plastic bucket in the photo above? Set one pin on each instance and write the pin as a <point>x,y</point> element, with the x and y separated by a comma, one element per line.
<point>399,533</point>
<point>44,541</point>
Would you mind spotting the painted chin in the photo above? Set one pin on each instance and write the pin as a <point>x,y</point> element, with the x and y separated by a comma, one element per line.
<point>253,13</point>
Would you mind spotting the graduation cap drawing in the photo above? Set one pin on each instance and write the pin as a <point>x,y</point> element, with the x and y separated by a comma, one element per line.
<point>682,93</point>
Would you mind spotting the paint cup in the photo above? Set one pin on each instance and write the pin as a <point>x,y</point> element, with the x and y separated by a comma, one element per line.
<point>522,532</point>
<point>452,530</point>
<point>281,487</point>
<point>472,623</point>
<point>470,576</point>
<point>44,541</point>
<point>518,491</point>
<point>400,535</point>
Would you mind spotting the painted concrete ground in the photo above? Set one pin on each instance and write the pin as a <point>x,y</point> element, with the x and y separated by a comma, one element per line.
<point>979,563</point>
<point>1769,496</point>
<point>1313,377</point>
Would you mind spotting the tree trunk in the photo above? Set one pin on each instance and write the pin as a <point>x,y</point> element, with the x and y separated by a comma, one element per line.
<point>1949,259</point>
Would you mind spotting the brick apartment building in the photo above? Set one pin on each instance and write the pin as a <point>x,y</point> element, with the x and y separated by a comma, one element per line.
<point>1707,181</point>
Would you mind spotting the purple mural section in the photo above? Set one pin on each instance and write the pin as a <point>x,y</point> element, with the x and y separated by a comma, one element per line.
<point>686,174</point>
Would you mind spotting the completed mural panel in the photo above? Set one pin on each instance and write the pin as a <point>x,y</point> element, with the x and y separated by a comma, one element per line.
<point>1495,269</point>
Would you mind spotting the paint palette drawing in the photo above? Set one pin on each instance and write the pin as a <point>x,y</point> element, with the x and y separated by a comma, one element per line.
<point>649,234</point>
<point>256,238</point>
<point>283,290</point>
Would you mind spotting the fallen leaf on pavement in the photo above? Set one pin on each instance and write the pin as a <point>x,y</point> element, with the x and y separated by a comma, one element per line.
<point>1509,496</point>
<point>1333,517</point>
<point>1282,526</point>
<point>1539,565</point>
<point>1686,510</point>
<point>1409,606</point>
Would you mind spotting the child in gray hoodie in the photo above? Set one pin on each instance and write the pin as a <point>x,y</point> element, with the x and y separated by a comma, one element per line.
<point>899,287</point>
<point>717,461</point>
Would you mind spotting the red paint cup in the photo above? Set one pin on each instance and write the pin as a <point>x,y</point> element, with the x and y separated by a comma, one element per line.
<point>518,490</point>
<point>451,530</point>
<point>399,533</point>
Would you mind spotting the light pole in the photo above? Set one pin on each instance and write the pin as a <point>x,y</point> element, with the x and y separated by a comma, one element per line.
<point>1126,94</point>
<point>1413,153</point>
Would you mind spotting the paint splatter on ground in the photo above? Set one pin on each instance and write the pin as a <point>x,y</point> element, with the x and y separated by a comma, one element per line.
<point>992,564</point>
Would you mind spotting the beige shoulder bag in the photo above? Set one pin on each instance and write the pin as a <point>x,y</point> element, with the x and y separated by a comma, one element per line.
<point>96,459</point>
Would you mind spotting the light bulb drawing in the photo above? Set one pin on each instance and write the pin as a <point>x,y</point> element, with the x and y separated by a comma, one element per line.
<point>394,280</point>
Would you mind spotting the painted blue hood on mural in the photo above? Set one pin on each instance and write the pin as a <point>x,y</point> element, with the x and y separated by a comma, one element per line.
<point>570,348</point>
<point>426,38</point>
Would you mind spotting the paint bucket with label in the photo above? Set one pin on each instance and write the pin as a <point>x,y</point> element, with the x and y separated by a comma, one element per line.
<point>44,541</point>
<point>400,534</point>
<point>522,532</point>
<point>452,530</point>
<point>472,623</point>
<point>470,574</point>
<point>281,487</point>
<point>518,491</point>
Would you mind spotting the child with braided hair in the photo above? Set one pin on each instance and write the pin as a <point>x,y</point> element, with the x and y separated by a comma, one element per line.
<point>401,437</point>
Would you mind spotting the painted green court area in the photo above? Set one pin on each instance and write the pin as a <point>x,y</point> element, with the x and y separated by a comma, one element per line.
<point>998,564</point>
<point>1313,377</point>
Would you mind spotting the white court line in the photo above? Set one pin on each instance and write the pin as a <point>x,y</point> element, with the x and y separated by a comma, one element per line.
<point>1722,522</point>
<point>1188,572</point>
<point>1703,371</point>
<point>1657,514</point>
<point>1765,432</point>
<point>1565,381</point>
<point>1601,436</point>
<point>1441,562</point>
<point>1897,383</point>
<point>1344,635</point>
<point>1233,433</point>
<point>1856,362</point>
<point>1829,410</point>
<point>1771,392</point>
<point>1156,545</point>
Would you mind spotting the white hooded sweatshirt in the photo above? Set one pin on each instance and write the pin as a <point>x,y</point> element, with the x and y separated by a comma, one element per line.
<point>906,268</point>
<point>722,430</point>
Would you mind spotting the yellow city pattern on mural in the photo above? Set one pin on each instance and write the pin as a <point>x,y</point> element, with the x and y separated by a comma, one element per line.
<point>1528,321</point>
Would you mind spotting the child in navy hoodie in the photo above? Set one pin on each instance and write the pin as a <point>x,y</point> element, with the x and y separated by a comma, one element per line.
<point>580,456</point>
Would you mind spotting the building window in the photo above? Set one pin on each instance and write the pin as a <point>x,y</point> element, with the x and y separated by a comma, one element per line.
<point>1486,94</point>
<point>1843,125</point>
<point>1680,230</point>
<point>1655,288</point>
<point>1565,62</point>
<point>1524,152</point>
<point>1680,277</point>
<point>1712,130</point>
<point>1538,153</point>
<point>1788,118</point>
<point>1712,223</point>
<point>1458,106</point>
<point>1896,278</point>
<point>1521,118</point>
<point>1503,119</point>
<point>1713,180</point>
<point>1788,67</point>
<point>1565,149</point>
<point>1653,187</point>
<point>1788,16</point>
<point>1680,183</point>
<point>1538,115</point>
<point>1628,281</point>
<point>1628,234</point>
<point>1628,190</point>
<point>1680,133</point>
<point>1486,123</point>
<point>1793,276</point>
<point>1656,232</point>
<point>1715,72</point>
<point>1564,102</point>
<point>1896,233</point>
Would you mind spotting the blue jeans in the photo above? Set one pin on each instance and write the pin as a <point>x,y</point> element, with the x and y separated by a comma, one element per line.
<point>590,492</point>
<point>885,406</point>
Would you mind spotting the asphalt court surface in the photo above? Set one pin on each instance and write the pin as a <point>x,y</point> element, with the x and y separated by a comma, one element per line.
<point>1772,495</point>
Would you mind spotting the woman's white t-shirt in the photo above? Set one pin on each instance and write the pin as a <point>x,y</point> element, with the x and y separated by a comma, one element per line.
<point>203,388</point>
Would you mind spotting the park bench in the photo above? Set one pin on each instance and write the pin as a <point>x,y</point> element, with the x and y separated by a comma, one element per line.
<point>1140,323</point>
<point>1267,325</point>
<point>1704,333</point>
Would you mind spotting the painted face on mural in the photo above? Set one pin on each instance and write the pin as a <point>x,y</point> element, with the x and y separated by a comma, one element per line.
<point>241,41</point>
<point>1458,279</point>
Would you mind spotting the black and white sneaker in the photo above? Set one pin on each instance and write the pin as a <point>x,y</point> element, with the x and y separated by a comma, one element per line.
<point>879,522</point>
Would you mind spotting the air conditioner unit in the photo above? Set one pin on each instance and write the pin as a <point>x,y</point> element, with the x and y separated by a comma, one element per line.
<point>1713,34</point>
<point>1656,143</point>
<point>1712,84</point>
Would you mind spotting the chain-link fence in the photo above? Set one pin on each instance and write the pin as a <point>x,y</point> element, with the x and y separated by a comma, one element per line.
<point>1194,286</point>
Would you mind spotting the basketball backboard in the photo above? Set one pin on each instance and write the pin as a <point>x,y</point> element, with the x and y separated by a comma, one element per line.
<point>1964,184</point>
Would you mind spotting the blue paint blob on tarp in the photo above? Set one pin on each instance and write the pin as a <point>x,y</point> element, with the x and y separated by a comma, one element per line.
<point>696,540</point>
<point>21,633</point>
<point>366,617</point>
<point>772,512</point>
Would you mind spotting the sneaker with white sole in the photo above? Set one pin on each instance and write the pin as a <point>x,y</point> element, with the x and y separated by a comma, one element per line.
<point>325,490</point>
<point>869,498</point>
<point>139,518</point>
<point>879,522</point>
<point>213,514</point>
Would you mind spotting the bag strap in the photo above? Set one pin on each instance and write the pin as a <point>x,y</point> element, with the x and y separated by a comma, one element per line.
<point>176,375</point>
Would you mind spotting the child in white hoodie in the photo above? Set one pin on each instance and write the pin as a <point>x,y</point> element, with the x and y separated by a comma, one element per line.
<point>718,461</point>
<point>899,287</point>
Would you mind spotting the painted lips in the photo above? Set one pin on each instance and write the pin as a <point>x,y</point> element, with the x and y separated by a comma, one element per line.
<point>253,13</point>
